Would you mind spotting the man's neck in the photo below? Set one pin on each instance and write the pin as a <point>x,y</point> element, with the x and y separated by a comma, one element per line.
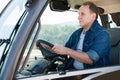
<point>87,27</point>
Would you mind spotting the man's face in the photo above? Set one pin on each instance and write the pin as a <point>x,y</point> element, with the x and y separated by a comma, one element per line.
<point>85,16</point>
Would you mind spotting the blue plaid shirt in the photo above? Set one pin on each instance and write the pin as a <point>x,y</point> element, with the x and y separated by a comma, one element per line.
<point>96,44</point>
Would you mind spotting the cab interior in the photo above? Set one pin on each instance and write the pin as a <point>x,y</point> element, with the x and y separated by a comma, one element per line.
<point>106,8</point>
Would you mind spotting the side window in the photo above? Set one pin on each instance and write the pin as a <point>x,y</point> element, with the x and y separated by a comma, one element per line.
<point>30,51</point>
<point>56,27</point>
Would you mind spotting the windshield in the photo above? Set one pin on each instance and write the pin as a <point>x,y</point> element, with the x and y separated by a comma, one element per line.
<point>8,21</point>
<point>3,4</point>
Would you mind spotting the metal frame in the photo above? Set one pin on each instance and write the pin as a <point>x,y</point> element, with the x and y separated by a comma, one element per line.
<point>34,12</point>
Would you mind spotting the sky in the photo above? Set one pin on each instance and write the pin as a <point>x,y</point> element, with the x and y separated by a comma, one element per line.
<point>53,17</point>
<point>3,3</point>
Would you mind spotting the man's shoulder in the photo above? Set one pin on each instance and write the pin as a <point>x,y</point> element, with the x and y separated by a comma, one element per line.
<point>102,32</point>
<point>98,28</point>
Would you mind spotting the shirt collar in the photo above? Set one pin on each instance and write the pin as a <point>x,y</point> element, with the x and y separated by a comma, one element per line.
<point>93,27</point>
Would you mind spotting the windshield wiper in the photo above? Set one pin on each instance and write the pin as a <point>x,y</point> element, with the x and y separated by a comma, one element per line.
<point>2,41</point>
<point>10,40</point>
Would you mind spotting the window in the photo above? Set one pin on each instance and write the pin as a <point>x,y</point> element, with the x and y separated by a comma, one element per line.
<point>3,4</point>
<point>56,27</point>
<point>8,23</point>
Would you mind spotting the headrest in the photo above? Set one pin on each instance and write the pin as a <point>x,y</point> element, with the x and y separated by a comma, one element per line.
<point>114,35</point>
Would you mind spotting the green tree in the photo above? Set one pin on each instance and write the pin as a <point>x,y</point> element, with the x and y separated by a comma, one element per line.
<point>56,34</point>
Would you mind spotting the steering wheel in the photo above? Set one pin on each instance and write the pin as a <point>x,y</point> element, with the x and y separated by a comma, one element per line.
<point>46,49</point>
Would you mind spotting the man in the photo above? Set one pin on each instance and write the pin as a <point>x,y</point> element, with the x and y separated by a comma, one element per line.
<point>87,47</point>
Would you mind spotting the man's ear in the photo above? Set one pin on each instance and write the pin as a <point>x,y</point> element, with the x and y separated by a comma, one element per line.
<point>93,16</point>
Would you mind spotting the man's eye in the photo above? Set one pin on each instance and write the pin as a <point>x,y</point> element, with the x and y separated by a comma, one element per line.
<point>82,13</point>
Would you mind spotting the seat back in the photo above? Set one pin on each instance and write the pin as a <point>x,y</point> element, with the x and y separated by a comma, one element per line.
<point>115,46</point>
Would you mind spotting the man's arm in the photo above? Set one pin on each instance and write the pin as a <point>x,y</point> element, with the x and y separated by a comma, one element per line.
<point>80,56</point>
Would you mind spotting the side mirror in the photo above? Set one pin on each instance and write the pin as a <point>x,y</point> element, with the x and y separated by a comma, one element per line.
<point>59,5</point>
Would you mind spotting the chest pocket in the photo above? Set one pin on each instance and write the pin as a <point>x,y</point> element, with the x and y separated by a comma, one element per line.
<point>88,42</point>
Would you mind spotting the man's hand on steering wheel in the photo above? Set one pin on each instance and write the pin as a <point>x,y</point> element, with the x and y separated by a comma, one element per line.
<point>46,49</point>
<point>61,50</point>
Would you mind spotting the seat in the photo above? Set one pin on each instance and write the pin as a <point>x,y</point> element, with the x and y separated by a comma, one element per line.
<point>115,46</point>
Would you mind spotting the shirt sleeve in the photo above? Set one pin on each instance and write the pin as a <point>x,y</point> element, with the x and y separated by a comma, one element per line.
<point>93,55</point>
<point>100,46</point>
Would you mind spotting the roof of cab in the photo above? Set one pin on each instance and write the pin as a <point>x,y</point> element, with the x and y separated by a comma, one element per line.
<point>109,6</point>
